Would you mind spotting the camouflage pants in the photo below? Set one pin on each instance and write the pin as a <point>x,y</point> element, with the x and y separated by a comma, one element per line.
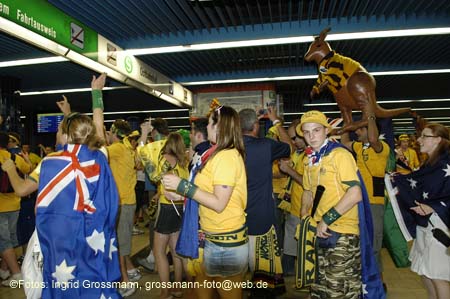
<point>339,274</point>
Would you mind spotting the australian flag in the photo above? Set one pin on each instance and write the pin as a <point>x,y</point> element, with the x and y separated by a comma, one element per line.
<point>429,185</point>
<point>76,214</point>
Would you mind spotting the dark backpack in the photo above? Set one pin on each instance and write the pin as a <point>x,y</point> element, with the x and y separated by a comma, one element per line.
<point>5,184</point>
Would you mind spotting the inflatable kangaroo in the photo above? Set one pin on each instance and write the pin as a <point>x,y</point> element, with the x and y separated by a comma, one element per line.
<point>352,86</point>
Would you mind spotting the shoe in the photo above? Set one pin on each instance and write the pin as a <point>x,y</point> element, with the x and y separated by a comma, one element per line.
<point>4,274</point>
<point>20,260</point>
<point>134,275</point>
<point>137,231</point>
<point>15,277</point>
<point>146,264</point>
<point>125,292</point>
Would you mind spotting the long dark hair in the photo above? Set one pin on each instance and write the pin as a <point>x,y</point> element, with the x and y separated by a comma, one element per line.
<point>229,134</point>
<point>443,146</point>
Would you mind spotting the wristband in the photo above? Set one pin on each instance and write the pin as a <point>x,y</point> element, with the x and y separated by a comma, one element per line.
<point>275,122</point>
<point>97,99</point>
<point>331,216</point>
<point>186,188</point>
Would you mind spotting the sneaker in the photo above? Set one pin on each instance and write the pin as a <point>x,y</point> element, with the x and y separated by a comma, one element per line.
<point>146,264</point>
<point>137,231</point>
<point>134,275</point>
<point>4,274</point>
<point>15,277</point>
<point>20,260</point>
<point>125,292</point>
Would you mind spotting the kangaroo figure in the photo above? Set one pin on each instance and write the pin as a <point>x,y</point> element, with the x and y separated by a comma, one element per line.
<point>352,86</point>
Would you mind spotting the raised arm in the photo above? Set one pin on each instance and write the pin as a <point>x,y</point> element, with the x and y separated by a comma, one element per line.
<point>97,85</point>
<point>284,137</point>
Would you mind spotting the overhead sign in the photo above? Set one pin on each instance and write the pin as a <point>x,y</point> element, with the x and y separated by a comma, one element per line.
<point>114,57</point>
<point>47,20</point>
<point>51,23</point>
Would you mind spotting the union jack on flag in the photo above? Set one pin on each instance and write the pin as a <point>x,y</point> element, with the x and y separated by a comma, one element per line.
<point>76,214</point>
<point>74,170</point>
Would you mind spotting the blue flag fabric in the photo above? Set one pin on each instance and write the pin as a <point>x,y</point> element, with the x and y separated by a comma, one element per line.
<point>370,274</point>
<point>187,244</point>
<point>429,185</point>
<point>76,214</point>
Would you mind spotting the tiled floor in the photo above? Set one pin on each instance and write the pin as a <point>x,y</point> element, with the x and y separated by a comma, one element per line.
<point>401,283</point>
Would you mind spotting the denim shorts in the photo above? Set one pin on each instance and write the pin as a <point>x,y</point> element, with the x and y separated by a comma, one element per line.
<point>8,230</point>
<point>225,261</point>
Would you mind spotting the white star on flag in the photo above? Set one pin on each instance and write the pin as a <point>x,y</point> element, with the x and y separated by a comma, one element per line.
<point>447,170</point>
<point>112,248</point>
<point>103,297</point>
<point>425,195</point>
<point>63,273</point>
<point>96,241</point>
<point>412,182</point>
<point>364,290</point>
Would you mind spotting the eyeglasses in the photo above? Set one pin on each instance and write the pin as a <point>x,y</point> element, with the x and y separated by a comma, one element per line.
<point>423,136</point>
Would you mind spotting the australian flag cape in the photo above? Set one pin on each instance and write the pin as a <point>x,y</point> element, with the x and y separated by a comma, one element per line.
<point>370,274</point>
<point>187,244</point>
<point>76,212</point>
<point>429,185</point>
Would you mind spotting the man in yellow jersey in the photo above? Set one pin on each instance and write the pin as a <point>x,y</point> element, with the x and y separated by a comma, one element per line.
<point>292,192</point>
<point>406,157</point>
<point>332,167</point>
<point>371,157</point>
<point>122,162</point>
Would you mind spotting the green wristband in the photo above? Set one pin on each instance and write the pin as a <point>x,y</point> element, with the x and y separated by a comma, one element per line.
<point>331,216</point>
<point>97,99</point>
<point>186,188</point>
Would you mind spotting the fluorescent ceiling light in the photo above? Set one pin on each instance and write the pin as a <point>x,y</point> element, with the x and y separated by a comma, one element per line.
<point>87,89</point>
<point>411,72</point>
<point>289,40</point>
<point>143,111</point>
<point>304,77</point>
<point>32,61</point>
<point>386,102</point>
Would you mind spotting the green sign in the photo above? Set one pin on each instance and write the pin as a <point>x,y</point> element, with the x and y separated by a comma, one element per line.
<point>128,62</point>
<point>45,19</point>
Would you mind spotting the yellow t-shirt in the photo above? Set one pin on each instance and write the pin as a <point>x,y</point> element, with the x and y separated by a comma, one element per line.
<point>182,172</point>
<point>10,202</point>
<point>297,189</point>
<point>278,184</point>
<point>34,159</point>
<point>225,168</point>
<point>150,155</point>
<point>122,163</point>
<point>371,164</point>
<point>411,160</point>
<point>337,172</point>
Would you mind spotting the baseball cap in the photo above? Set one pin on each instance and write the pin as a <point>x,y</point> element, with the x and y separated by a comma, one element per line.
<point>403,137</point>
<point>313,116</point>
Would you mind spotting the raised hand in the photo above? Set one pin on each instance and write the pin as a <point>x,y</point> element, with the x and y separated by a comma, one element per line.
<point>98,82</point>
<point>64,106</point>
